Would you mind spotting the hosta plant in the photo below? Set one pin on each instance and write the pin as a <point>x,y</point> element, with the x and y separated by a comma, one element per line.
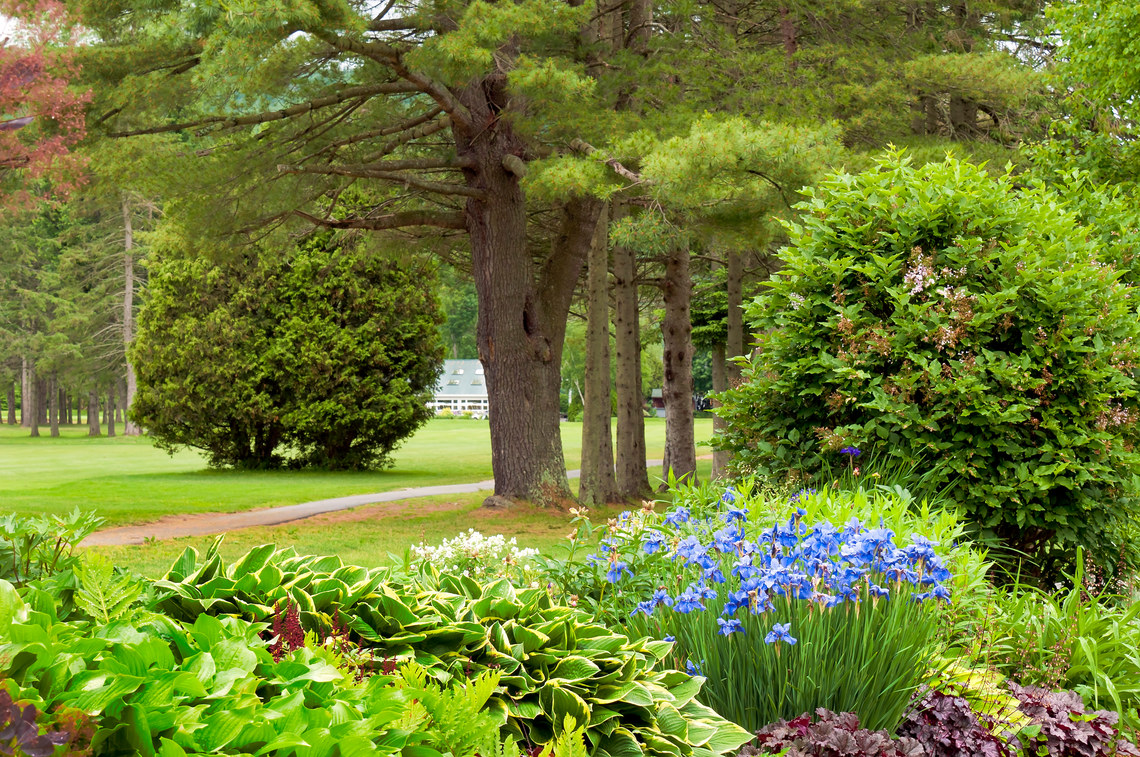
<point>553,661</point>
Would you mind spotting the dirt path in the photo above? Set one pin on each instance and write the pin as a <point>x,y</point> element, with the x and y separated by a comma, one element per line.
<point>203,524</point>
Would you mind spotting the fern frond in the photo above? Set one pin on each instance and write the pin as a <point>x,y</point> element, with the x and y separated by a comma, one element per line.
<point>103,596</point>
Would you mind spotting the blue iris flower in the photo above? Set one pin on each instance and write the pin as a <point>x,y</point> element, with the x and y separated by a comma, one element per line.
<point>693,669</point>
<point>613,575</point>
<point>688,601</point>
<point>670,638</point>
<point>653,543</point>
<point>661,597</point>
<point>729,627</point>
<point>801,494</point>
<point>734,514</point>
<point>691,549</point>
<point>645,607</point>
<point>729,496</point>
<point>779,632</point>
<point>854,452</point>
<point>678,517</point>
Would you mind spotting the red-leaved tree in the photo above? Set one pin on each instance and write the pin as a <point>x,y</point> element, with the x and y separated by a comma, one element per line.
<point>41,115</point>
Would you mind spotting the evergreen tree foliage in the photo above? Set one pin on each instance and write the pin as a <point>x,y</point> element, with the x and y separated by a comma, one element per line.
<point>936,314</point>
<point>322,355</point>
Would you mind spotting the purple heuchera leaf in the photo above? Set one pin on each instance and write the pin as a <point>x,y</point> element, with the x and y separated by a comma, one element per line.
<point>833,735</point>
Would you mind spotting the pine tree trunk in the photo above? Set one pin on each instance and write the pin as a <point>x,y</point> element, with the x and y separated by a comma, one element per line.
<point>31,401</point>
<point>64,406</point>
<point>130,428</point>
<point>42,400</point>
<point>53,410</point>
<point>522,317</point>
<point>597,484</point>
<point>11,403</point>
<point>734,347</point>
<point>677,389</point>
<point>93,413</point>
<point>720,383</point>
<point>632,473</point>
<point>109,415</point>
<point>25,418</point>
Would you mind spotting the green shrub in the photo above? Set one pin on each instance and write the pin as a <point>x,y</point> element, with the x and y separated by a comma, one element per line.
<point>35,547</point>
<point>325,353</point>
<point>942,315</point>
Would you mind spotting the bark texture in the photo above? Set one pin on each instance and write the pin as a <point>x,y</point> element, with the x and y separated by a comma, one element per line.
<point>677,389</point>
<point>93,413</point>
<point>31,401</point>
<point>632,472</point>
<point>109,413</point>
<point>130,428</point>
<point>522,307</point>
<point>719,384</point>
<point>11,420</point>
<point>734,347</point>
<point>53,410</point>
<point>597,484</point>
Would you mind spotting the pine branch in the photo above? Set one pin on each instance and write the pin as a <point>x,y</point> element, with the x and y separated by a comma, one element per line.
<point>407,180</point>
<point>276,115</point>
<point>392,221</point>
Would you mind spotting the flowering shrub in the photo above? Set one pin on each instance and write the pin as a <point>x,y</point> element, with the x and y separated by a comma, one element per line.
<point>936,312</point>
<point>477,556</point>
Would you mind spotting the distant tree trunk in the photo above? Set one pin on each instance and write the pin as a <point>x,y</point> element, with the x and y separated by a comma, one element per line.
<point>719,382</point>
<point>632,473</point>
<point>130,428</point>
<point>53,410</point>
<point>64,405</point>
<point>25,419</point>
<point>597,483</point>
<point>11,403</point>
<point>121,407</point>
<point>109,415</point>
<point>30,404</point>
<point>93,413</point>
<point>677,389</point>
<point>42,400</point>
<point>734,346</point>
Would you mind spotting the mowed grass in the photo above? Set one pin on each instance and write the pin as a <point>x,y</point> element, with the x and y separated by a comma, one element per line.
<point>127,480</point>
<point>371,535</point>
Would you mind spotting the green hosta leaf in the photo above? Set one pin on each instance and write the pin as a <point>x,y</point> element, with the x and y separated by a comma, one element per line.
<point>12,608</point>
<point>574,669</point>
<point>621,743</point>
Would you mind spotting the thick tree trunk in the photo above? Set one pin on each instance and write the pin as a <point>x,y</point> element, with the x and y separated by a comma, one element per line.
<point>130,428</point>
<point>53,410</point>
<point>677,389</point>
<point>632,473</point>
<point>31,404</point>
<point>522,317</point>
<point>11,403</point>
<point>720,383</point>
<point>93,413</point>
<point>109,415</point>
<point>598,484</point>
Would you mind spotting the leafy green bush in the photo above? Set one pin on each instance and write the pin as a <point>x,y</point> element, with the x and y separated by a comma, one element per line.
<point>35,547</point>
<point>937,313</point>
<point>328,350</point>
<point>553,661</point>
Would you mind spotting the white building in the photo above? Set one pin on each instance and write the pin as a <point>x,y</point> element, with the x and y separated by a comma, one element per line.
<point>461,388</point>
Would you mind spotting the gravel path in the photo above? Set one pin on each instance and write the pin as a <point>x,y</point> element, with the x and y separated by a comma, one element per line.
<point>203,524</point>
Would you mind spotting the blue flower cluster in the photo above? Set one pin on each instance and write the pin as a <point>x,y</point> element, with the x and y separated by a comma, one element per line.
<point>821,564</point>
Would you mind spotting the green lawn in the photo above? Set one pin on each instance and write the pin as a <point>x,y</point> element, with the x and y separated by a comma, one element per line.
<point>127,480</point>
